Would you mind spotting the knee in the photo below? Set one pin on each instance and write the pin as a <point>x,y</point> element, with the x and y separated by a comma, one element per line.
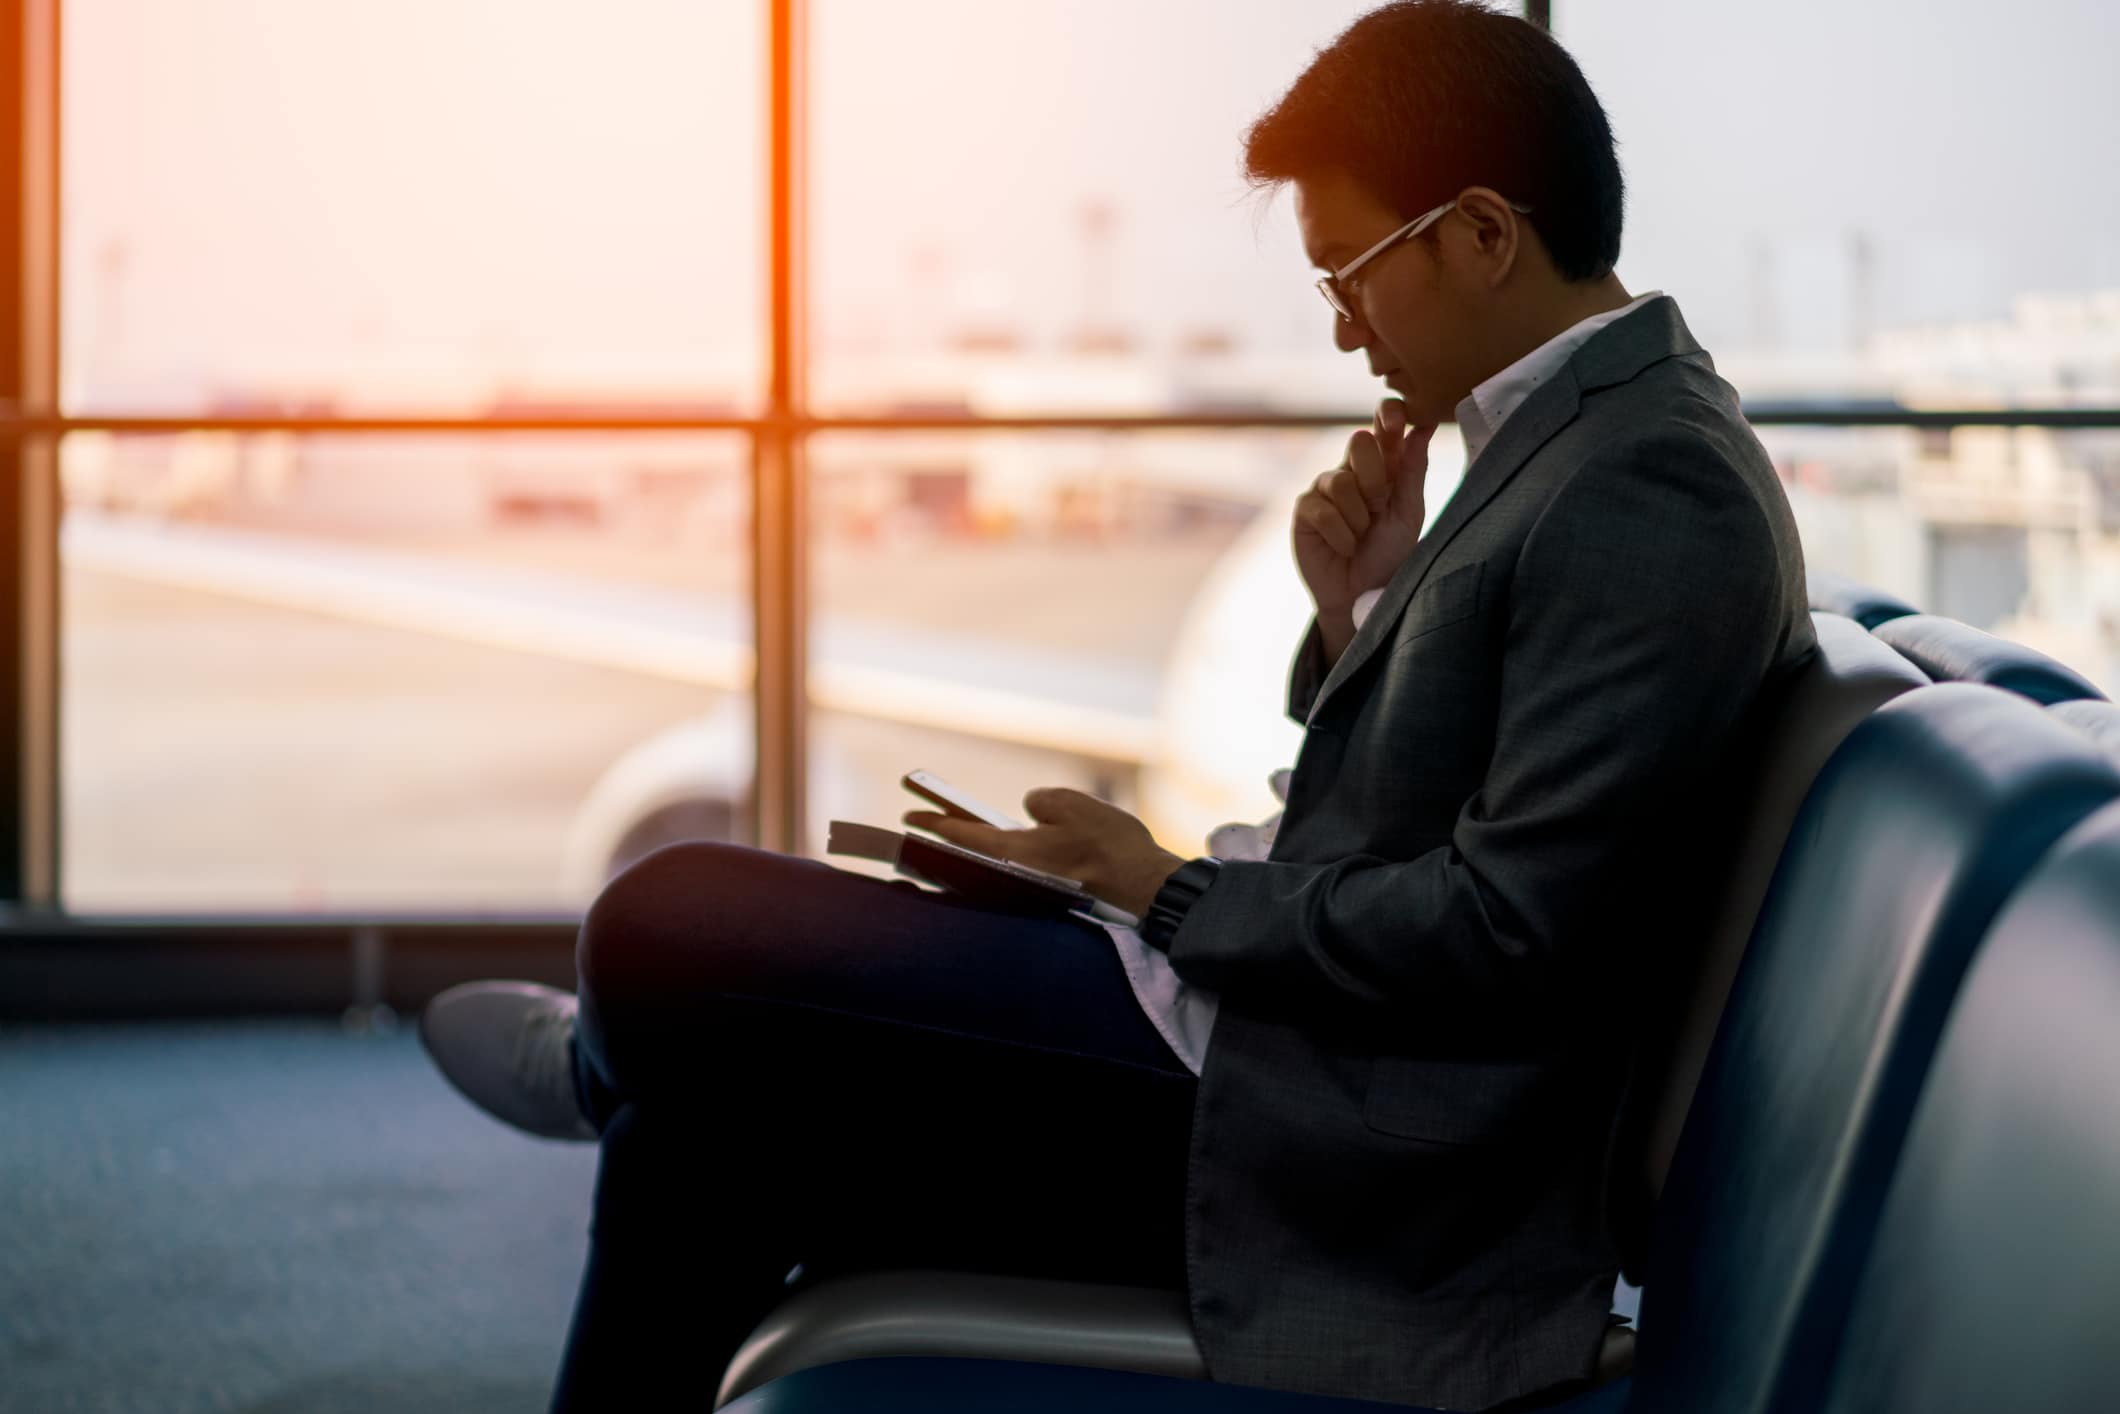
<point>661,902</point>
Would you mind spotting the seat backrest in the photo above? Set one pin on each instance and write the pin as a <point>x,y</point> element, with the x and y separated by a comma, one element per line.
<point>1934,807</point>
<point>2100,721</point>
<point>1851,676</point>
<point>1993,1281</point>
<point>1837,594</point>
<point>1950,651</point>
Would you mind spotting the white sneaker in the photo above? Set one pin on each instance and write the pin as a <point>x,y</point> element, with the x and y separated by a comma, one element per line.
<point>508,1047</point>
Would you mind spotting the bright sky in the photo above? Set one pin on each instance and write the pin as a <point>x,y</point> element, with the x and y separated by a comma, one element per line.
<point>412,197</point>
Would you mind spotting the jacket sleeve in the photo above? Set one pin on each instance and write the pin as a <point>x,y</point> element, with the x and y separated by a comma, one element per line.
<point>1307,674</point>
<point>1643,613</point>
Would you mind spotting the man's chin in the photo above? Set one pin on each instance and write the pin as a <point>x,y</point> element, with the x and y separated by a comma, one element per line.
<point>1398,387</point>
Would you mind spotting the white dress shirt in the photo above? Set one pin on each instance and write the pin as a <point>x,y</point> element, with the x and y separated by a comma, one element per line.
<point>1183,1014</point>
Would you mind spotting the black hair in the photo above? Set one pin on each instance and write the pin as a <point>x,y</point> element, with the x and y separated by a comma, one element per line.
<point>1420,99</point>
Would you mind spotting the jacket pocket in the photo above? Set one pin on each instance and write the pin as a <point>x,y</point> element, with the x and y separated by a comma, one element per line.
<point>1451,599</point>
<point>1454,1102</point>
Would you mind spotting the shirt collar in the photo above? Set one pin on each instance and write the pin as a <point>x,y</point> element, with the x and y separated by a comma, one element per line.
<point>1481,413</point>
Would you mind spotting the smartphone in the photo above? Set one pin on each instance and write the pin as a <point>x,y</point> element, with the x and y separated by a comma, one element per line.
<point>952,801</point>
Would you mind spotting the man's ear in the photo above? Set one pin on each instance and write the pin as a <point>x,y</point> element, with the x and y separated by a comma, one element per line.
<point>1497,233</point>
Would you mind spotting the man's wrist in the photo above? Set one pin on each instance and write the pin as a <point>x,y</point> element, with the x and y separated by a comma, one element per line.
<point>1335,631</point>
<point>1176,898</point>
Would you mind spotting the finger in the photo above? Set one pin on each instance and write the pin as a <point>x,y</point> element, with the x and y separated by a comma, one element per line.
<point>1390,427</point>
<point>1317,517</point>
<point>1410,477</point>
<point>969,833</point>
<point>1321,503</point>
<point>1412,458</point>
<point>1050,804</point>
<point>1366,459</point>
<point>1346,493</point>
<point>1321,518</point>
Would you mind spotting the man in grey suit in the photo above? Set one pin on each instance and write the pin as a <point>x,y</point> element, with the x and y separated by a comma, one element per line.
<point>1506,799</point>
<point>1502,827</point>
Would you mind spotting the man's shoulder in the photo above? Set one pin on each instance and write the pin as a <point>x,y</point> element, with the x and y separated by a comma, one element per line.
<point>1678,394</point>
<point>1676,413</point>
<point>1675,467</point>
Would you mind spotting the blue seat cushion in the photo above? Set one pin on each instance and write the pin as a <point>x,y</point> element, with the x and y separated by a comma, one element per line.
<point>1994,1282</point>
<point>1837,594</point>
<point>1913,836</point>
<point>1949,651</point>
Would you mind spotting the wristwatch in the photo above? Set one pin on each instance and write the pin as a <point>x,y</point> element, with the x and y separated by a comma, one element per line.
<point>1177,896</point>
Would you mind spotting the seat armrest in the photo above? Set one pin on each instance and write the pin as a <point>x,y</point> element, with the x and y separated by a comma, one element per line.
<point>971,1316</point>
<point>967,1314</point>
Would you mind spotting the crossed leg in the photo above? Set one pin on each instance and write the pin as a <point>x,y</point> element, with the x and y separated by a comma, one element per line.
<point>792,1064</point>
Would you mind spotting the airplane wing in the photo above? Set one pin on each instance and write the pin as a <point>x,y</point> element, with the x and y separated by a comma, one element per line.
<point>1075,703</point>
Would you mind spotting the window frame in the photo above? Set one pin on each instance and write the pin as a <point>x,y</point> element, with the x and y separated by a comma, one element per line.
<point>32,424</point>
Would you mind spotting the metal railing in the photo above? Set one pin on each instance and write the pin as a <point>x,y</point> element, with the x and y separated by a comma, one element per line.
<point>18,424</point>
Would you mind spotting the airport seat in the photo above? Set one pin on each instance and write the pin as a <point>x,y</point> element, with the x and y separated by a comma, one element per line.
<point>1991,1284</point>
<point>1950,651</point>
<point>1913,835</point>
<point>1851,677</point>
<point>932,1313</point>
<point>2100,721</point>
<point>1837,594</point>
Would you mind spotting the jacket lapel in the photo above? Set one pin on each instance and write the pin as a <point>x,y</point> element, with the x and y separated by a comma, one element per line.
<point>1615,354</point>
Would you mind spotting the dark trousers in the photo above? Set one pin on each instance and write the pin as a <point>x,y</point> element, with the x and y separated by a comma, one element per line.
<point>795,1065</point>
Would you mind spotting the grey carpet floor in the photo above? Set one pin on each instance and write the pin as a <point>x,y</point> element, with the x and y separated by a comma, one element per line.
<point>272,1216</point>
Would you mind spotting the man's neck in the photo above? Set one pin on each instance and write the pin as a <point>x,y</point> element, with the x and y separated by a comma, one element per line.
<point>1575,304</point>
<point>1587,302</point>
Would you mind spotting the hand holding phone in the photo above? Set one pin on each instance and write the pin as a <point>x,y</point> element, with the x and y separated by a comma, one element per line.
<point>964,806</point>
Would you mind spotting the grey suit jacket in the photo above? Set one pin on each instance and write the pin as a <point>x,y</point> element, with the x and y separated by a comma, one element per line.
<point>1505,813</point>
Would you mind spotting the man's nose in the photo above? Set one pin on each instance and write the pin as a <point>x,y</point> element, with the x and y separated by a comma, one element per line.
<point>1349,335</point>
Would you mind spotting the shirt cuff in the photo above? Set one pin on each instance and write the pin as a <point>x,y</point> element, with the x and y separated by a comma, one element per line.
<point>1177,896</point>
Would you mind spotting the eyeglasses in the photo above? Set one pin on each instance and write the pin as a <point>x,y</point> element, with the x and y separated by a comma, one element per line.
<point>1339,298</point>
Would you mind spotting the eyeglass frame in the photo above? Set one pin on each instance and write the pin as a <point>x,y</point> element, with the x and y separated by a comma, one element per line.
<point>1329,285</point>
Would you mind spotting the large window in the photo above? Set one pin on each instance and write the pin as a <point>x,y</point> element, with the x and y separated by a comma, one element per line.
<point>398,206</point>
<point>486,441</point>
<point>1037,207</point>
<point>314,672</point>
